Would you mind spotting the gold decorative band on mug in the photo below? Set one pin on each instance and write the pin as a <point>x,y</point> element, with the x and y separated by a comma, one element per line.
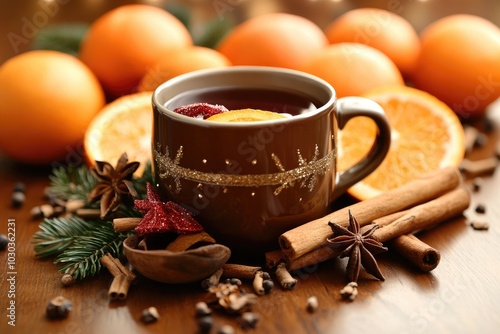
<point>306,173</point>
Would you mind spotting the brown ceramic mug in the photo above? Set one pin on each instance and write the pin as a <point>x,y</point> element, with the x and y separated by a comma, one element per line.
<point>248,182</point>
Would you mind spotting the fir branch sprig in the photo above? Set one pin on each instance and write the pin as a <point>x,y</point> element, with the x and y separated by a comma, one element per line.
<point>57,234</point>
<point>82,258</point>
<point>72,182</point>
<point>78,244</point>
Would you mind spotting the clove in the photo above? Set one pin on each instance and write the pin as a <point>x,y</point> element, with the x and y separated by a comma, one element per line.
<point>284,277</point>
<point>58,308</point>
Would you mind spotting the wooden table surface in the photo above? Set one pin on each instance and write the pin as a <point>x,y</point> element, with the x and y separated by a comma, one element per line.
<point>462,295</point>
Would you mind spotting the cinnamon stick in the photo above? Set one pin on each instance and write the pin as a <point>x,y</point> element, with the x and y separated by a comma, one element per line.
<point>125,224</point>
<point>115,267</point>
<point>426,215</point>
<point>306,238</point>
<point>322,253</point>
<point>119,287</point>
<point>240,271</point>
<point>421,217</point>
<point>417,252</point>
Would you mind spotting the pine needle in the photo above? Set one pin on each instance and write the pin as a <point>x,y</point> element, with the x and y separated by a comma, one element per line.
<point>77,243</point>
<point>72,182</point>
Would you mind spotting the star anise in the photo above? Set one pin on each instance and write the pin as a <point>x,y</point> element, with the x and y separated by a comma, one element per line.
<point>359,245</point>
<point>114,183</point>
<point>161,217</point>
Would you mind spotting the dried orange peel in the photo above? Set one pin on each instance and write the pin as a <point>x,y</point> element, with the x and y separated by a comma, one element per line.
<point>245,115</point>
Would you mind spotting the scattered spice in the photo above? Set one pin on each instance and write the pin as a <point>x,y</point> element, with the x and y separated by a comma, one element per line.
<point>248,320</point>
<point>258,283</point>
<point>202,309</point>
<point>477,184</point>
<point>150,315</point>
<point>58,308</point>
<point>268,285</point>
<point>284,277</point>
<point>480,225</point>
<point>481,140</point>
<point>160,217</point>
<point>73,205</point>
<point>114,184</point>
<point>225,329</point>
<point>67,280</point>
<point>312,304</point>
<point>230,298</point>
<point>478,167</point>
<point>350,291</point>
<point>18,196</point>
<point>480,208</point>
<point>205,324</point>
<point>4,241</point>
<point>359,245</point>
<point>212,280</point>
<point>46,211</point>
<point>200,110</point>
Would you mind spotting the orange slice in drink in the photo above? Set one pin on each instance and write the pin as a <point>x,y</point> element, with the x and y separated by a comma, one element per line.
<point>426,135</point>
<point>123,125</point>
<point>245,115</point>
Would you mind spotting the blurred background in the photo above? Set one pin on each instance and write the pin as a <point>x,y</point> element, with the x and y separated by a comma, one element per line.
<point>21,20</point>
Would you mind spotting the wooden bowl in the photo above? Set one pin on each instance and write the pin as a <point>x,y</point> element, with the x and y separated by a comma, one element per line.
<point>176,267</point>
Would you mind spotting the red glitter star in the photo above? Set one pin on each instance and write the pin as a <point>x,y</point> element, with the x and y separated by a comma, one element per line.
<point>160,217</point>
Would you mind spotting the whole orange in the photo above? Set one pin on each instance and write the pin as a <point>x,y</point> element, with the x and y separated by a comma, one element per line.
<point>123,43</point>
<point>353,68</point>
<point>460,63</point>
<point>275,39</point>
<point>384,30</point>
<point>48,100</point>
<point>179,62</point>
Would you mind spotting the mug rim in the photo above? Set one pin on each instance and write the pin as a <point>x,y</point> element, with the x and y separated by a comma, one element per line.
<point>325,107</point>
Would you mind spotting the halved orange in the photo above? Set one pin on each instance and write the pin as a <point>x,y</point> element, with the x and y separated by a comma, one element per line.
<point>123,125</point>
<point>245,115</point>
<point>426,135</point>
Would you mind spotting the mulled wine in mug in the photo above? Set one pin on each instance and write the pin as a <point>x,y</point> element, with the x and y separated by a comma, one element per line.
<point>247,182</point>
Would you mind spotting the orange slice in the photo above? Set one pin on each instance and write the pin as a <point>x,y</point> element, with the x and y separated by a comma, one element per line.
<point>426,135</point>
<point>124,125</point>
<point>245,115</point>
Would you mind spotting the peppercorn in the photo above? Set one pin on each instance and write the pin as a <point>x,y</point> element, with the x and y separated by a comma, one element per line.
<point>58,308</point>
<point>477,184</point>
<point>4,241</point>
<point>480,208</point>
<point>18,197</point>
<point>268,285</point>
<point>205,323</point>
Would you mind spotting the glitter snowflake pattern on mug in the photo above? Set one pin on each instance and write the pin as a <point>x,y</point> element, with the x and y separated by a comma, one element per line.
<point>305,174</point>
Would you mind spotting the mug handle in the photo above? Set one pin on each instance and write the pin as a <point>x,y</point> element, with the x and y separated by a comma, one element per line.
<point>350,107</point>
